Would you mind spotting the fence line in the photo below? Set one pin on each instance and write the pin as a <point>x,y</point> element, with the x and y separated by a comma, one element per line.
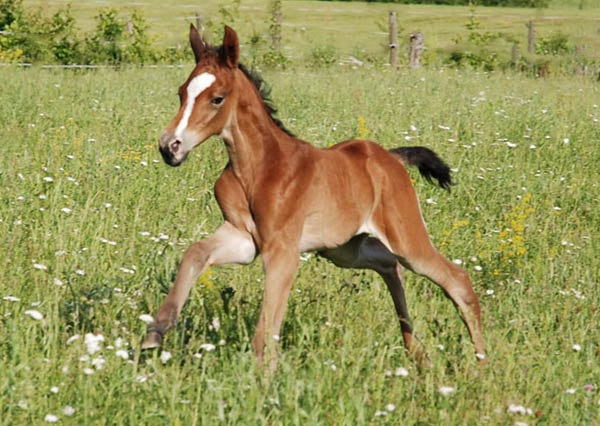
<point>84,66</point>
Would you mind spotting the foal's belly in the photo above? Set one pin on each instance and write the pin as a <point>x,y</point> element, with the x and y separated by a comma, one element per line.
<point>322,231</point>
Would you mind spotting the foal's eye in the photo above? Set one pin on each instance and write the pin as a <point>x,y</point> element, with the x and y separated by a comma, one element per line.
<point>217,101</point>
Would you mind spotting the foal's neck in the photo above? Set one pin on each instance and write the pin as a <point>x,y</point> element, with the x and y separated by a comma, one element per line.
<point>254,142</point>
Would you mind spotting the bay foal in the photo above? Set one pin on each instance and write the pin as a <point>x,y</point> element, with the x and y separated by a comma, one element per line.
<point>353,203</point>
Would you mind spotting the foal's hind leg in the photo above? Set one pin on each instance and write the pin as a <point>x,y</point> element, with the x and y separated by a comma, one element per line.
<point>227,245</point>
<point>456,284</point>
<point>411,244</point>
<point>364,252</point>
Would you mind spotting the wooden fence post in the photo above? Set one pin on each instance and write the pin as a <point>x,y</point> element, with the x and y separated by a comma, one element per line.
<point>393,40</point>
<point>531,37</point>
<point>204,35</point>
<point>417,45</point>
<point>275,27</point>
<point>515,54</point>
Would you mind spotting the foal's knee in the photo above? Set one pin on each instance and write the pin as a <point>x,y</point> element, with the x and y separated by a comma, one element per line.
<point>463,290</point>
<point>197,253</point>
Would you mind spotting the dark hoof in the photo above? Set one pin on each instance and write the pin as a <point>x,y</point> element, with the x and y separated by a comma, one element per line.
<point>153,340</point>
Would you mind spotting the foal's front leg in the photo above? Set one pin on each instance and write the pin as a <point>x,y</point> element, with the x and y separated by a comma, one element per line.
<point>280,264</point>
<point>227,245</point>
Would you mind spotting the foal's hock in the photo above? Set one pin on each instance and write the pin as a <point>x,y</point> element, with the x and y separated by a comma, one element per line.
<point>353,203</point>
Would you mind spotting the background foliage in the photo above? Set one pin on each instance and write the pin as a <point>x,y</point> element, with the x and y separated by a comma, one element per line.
<point>477,38</point>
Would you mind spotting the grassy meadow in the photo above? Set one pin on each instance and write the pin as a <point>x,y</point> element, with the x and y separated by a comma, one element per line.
<point>355,28</point>
<point>93,223</point>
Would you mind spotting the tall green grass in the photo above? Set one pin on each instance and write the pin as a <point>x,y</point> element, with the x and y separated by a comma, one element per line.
<point>84,193</point>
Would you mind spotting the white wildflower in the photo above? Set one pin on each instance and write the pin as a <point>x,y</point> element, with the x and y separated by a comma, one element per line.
<point>93,342</point>
<point>122,354</point>
<point>146,318</point>
<point>51,418</point>
<point>36,315</point>
<point>446,390</point>
<point>165,356</point>
<point>207,347</point>
<point>519,409</point>
<point>98,362</point>
<point>401,371</point>
<point>68,410</point>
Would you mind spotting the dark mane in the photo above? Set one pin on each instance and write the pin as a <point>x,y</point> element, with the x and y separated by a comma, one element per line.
<point>264,91</point>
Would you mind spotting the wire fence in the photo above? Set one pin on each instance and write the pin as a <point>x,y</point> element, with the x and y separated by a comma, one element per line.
<point>86,66</point>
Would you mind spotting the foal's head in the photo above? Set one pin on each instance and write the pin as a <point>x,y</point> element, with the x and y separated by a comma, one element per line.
<point>207,97</point>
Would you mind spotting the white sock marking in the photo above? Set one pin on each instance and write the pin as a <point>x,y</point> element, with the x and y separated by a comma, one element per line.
<point>197,85</point>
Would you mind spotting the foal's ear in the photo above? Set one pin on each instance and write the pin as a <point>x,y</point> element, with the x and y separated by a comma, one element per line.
<point>230,54</point>
<point>198,45</point>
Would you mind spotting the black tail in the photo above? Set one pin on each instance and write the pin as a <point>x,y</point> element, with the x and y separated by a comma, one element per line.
<point>428,162</point>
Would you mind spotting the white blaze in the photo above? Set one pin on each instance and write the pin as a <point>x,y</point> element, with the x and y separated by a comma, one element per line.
<point>197,85</point>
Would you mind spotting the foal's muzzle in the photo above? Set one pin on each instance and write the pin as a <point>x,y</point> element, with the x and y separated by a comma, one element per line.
<point>169,156</point>
<point>171,149</point>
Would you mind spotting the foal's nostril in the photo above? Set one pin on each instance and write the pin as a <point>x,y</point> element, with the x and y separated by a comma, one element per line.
<point>175,146</point>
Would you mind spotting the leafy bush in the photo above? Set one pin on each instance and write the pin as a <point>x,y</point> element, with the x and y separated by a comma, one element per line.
<point>554,44</point>
<point>116,41</point>
<point>321,56</point>
<point>29,36</point>
<point>481,59</point>
<point>475,52</point>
